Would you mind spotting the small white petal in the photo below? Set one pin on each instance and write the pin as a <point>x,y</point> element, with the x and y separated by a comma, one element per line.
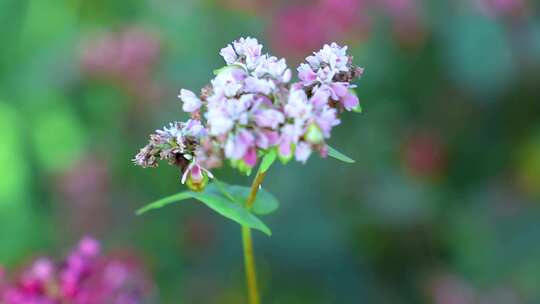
<point>191,102</point>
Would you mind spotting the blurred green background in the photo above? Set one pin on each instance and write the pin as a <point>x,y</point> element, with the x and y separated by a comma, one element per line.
<point>442,205</point>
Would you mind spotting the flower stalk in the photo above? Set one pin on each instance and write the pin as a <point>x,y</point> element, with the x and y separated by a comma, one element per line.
<point>249,257</point>
<point>249,264</point>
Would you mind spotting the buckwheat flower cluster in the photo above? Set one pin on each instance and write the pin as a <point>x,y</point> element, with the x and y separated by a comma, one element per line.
<point>327,74</point>
<point>84,277</point>
<point>324,90</point>
<point>251,108</point>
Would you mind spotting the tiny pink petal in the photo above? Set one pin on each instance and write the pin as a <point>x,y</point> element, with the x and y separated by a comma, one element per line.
<point>250,158</point>
<point>340,88</point>
<point>350,101</point>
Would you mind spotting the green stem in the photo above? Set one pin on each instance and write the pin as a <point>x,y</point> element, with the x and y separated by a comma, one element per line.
<point>249,258</point>
<point>249,262</point>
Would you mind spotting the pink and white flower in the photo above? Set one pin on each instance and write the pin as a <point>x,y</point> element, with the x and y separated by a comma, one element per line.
<point>250,107</point>
<point>328,74</point>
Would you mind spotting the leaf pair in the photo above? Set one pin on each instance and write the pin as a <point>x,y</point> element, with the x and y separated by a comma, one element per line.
<point>227,200</point>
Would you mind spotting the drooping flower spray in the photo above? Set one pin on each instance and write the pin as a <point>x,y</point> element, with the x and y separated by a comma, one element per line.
<point>251,111</point>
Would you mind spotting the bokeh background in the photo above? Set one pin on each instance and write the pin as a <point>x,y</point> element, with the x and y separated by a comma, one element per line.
<point>442,205</point>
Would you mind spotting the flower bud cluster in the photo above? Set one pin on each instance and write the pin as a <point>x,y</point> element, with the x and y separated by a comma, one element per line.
<point>179,144</point>
<point>251,107</point>
<point>84,277</point>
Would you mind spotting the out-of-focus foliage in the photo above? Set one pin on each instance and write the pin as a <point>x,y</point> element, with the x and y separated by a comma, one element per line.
<point>441,205</point>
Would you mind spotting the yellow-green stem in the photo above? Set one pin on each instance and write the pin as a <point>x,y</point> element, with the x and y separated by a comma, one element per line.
<point>249,262</point>
<point>249,258</point>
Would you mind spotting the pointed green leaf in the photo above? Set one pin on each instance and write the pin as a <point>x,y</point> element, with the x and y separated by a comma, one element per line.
<point>268,160</point>
<point>214,198</point>
<point>338,155</point>
<point>165,201</point>
<point>232,210</point>
<point>221,187</point>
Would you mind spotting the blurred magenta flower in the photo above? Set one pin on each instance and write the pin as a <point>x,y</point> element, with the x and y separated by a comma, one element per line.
<point>84,195</point>
<point>83,277</point>
<point>297,29</point>
<point>407,24</point>
<point>448,289</point>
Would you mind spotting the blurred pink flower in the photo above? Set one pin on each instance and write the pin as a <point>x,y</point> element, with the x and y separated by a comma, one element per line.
<point>84,195</point>
<point>84,277</point>
<point>127,57</point>
<point>448,289</point>
<point>451,289</point>
<point>407,24</point>
<point>298,29</point>
<point>295,30</point>
<point>424,155</point>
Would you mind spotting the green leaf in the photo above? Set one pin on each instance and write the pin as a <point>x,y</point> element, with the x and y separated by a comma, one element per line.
<point>338,155</point>
<point>165,201</point>
<point>222,187</point>
<point>268,160</point>
<point>265,203</point>
<point>232,210</point>
<point>217,201</point>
